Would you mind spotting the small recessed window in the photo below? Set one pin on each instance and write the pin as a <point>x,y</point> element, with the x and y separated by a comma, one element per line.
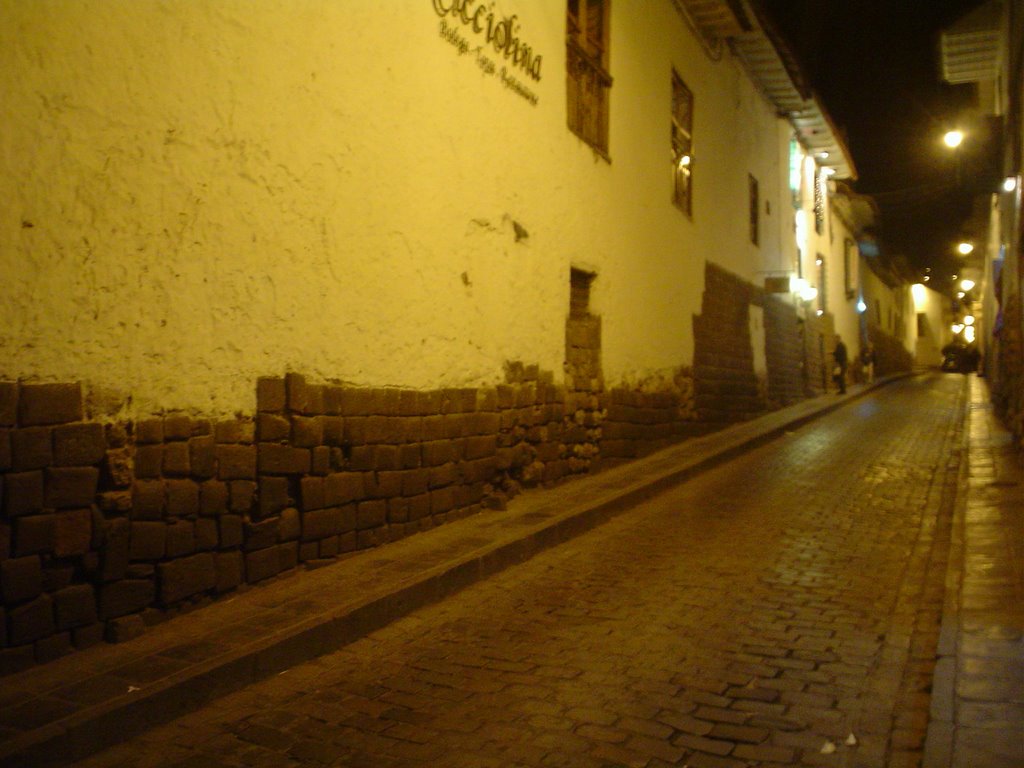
<point>682,145</point>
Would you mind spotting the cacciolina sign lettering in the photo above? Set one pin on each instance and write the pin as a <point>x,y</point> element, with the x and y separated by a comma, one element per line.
<point>501,33</point>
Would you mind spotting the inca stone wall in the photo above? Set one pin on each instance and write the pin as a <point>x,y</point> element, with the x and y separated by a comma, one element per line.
<point>784,352</point>
<point>725,385</point>
<point>108,528</point>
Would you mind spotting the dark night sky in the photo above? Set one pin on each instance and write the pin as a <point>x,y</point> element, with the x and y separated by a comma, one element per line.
<point>874,63</point>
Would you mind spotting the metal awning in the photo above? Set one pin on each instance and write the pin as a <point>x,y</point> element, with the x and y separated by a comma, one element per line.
<point>969,50</point>
<point>775,69</point>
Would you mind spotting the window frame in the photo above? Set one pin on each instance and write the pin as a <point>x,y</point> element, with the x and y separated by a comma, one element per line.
<point>682,145</point>
<point>588,80</point>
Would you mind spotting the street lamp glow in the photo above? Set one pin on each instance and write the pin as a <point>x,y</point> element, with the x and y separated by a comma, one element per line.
<point>964,248</point>
<point>862,307</point>
<point>953,139</point>
<point>1009,183</point>
<point>957,328</point>
<point>966,284</point>
<point>969,320</point>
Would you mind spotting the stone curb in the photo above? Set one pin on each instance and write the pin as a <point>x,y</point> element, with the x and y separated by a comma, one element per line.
<point>95,727</point>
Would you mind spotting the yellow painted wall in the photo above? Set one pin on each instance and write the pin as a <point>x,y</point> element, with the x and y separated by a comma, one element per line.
<point>200,192</point>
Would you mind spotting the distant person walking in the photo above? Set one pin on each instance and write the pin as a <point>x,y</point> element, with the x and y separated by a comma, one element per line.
<point>839,371</point>
<point>867,359</point>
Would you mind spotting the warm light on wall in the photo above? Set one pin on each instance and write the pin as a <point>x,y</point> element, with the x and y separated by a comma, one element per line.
<point>803,289</point>
<point>969,320</point>
<point>861,306</point>
<point>956,328</point>
<point>969,334</point>
<point>919,292</point>
<point>1009,184</point>
<point>966,284</point>
<point>964,248</point>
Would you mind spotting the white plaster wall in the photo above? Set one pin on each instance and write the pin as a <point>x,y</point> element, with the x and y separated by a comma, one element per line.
<point>201,192</point>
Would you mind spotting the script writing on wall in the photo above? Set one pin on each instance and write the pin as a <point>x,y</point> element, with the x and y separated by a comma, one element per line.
<point>474,30</point>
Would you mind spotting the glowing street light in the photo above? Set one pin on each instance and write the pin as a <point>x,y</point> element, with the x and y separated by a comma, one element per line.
<point>953,139</point>
<point>1009,184</point>
<point>964,248</point>
<point>966,284</point>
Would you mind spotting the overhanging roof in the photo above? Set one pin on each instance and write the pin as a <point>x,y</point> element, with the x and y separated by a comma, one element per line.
<point>775,69</point>
<point>969,49</point>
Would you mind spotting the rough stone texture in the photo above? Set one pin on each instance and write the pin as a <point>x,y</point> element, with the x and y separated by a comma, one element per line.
<point>725,386</point>
<point>262,564</point>
<point>33,534</point>
<point>49,404</point>
<point>21,578</point>
<point>30,621</point>
<point>23,493</point>
<point>8,403</point>
<point>186,576</point>
<point>72,532</point>
<point>79,445</point>
<point>123,597</point>
<point>31,448</point>
<point>71,486</point>
<point>783,352</point>
<point>75,606</point>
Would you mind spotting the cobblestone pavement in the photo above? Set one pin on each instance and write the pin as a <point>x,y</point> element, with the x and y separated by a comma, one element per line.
<point>781,609</point>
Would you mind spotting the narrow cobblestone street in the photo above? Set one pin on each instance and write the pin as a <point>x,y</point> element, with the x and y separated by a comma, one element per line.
<point>781,609</point>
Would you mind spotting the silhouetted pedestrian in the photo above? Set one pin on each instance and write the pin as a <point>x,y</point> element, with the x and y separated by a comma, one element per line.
<point>839,371</point>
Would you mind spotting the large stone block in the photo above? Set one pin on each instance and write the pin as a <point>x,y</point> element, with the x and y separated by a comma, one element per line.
<point>311,490</point>
<point>273,495</point>
<point>241,495</point>
<point>186,576</point>
<point>236,462</point>
<point>72,532</point>
<point>41,404</point>
<point>283,459</point>
<point>177,460</point>
<point>6,459</point>
<point>31,448</point>
<point>321,523</point>
<point>232,531</point>
<point>202,457</point>
<point>148,500</point>
<point>259,535</point>
<point>262,564</point>
<point>307,431</point>
<point>290,527</point>
<point>149,460</point>
<point>21,578</point>
<point>182,498</point>
<point>75,606</point>
<point>229,570</point>
<point>33,534</point>
<point>120,598</point>
<point>79,445</point>
<point>71,486</point>
<point>272,428</point>
<point>8,403</point>
<point>119,468</point>
<point>149,431</point>
<point>148,540</point>
<point>213,498</point>
<point>207,534</point>
<point>342,488</point>
<point>371,514</point>
<point>270,394</point>
<point>181,538</point>
<point>382,485</point>
<point>30,622</point>
<point>235,431</point>
<point>115,549</point>
<point>178,426</point>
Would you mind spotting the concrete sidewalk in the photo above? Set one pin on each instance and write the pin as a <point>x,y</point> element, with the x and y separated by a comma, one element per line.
<point>977,705</point>
<point>80,703</point>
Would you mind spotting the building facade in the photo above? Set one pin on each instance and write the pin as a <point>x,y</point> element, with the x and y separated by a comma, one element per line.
<point>986,48</point>
<point>290,280</point>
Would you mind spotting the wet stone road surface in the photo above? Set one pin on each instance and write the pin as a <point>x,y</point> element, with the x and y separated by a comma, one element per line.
<point>782,609</point>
